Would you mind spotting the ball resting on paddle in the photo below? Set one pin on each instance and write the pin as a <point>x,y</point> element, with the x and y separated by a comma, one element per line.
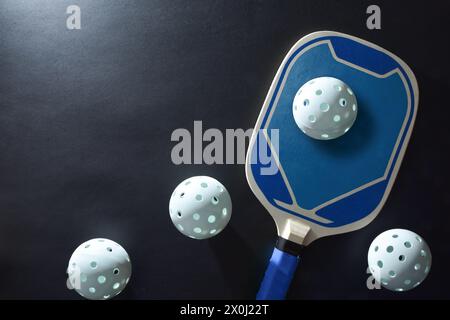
<point>325,108</point>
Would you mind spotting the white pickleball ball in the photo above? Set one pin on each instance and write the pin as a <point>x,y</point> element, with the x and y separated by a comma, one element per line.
<point>200,207</point>
<point>99,269</point>
<point>325,108</point>
<point>399,259</point>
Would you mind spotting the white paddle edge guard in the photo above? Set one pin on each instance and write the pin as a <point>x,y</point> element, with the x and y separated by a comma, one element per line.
<point>306,232</point>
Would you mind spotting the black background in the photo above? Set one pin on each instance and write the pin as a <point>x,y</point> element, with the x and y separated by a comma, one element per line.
<point>86,118</point>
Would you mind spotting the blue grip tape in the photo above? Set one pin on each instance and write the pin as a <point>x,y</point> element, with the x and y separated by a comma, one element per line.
<point>278,276</point>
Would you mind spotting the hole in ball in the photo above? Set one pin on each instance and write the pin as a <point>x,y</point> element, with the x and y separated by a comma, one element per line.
<point>324,107</point>
<point>197,230</point>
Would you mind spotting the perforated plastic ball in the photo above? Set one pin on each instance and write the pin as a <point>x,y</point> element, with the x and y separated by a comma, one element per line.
<point>200,207</point>
<point>325,108</point>
<point>99,269</point>
<point>399,259</point>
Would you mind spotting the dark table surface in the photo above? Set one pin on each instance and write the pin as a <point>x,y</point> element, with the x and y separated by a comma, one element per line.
<point>86,118</point>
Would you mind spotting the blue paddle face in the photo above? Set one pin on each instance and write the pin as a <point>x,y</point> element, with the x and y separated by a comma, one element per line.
<point>335,185</point>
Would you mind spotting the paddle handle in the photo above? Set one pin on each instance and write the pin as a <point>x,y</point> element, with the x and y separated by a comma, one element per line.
<point>278,276</point>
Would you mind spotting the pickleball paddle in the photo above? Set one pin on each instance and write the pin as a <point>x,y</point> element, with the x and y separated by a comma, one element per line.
<point>315,188</point>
